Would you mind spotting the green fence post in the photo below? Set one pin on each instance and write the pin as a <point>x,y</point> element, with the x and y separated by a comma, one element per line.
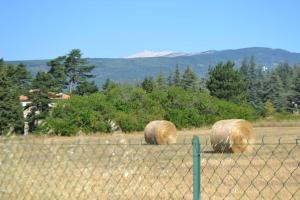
<point>196,168</point>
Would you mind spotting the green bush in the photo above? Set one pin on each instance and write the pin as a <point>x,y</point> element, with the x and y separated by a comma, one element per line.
<point>187,108</point>
<point>132,108</point>
<point>88,114</point>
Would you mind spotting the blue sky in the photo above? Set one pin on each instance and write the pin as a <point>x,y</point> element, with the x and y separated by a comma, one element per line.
<point>38,29</point>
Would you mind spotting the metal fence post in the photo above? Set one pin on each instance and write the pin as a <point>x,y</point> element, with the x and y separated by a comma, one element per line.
<point>196,168</point>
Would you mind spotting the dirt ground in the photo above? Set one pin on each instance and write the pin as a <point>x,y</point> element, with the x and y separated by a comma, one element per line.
<point>121,166</point>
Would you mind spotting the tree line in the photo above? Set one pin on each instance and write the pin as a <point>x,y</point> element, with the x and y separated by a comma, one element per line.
<point>182,97</point>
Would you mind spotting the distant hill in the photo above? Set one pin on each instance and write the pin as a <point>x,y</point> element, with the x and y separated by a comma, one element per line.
<point>135,69</point>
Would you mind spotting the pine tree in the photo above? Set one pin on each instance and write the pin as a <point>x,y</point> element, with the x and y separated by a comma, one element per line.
<point>20,77</point>
<point>86,88</point>
<point>57,70</point>
<point>270,110</point>
<point>294,97</point>
<point>160,82</point>
<point>148,84</point>
<point>170,79</point>
<point>225,82</point>
<point>189,79</point>
<point>176,78</point>
<point>11,113</point>
<point>274,92</point>
<point>202,85</point>
<point>285,73</point>
<point>244,67</point>
<point>41,85</point>
<point>76,69</point>
<point>254,86</point>
<point>108,85</point>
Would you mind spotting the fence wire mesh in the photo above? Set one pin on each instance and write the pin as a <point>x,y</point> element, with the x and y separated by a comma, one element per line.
<point>102,169</point>
<point>270,171</point>
<point>89,170</point>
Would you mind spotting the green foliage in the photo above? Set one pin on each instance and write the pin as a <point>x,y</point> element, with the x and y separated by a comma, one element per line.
<point>254,80</point>
<point>225,82</point>
<point>294,97</point>
<point>177,77</point>
<point>285,72</point>
<point>81,113</point>
<point>11,115</point>
<point>42,85</point>
<point>57,70</point>
<point>86,88</point>
<point>70,71</point>
<point>160,82</point>
<point>244,69</point>
<point>270,110</point>
<point>274,92</point>
<point>276,86</point>
<point>76,69</point>
<point>108,85</point>
<point>20,77</point>
<point>132,108</point>
<point>189,79</point>
<point>148,84</point>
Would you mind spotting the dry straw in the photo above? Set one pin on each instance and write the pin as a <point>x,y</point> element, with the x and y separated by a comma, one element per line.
<point>233,135</point>
<point>160,132</point>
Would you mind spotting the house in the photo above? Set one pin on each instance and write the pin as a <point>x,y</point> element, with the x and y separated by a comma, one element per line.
<point>24,100</point>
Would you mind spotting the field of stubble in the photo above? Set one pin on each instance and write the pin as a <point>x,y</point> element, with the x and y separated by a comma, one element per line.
<point>122,167</point>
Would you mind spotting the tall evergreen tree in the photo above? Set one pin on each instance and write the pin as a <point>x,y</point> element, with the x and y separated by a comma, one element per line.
<point>176,78</point>
<point>225,82</point>
<point>86,88</point>
<point>11,113</point>
<point>148,84</point>
<point>42,85</point>
<point>160,82</point>
<point>274,92</point>
<point>189,79</point>
<point>1,63</point>
<point>253,75</point>
<point>244,67</point>
<point>58,72</point>
<point>76,69</point>
<point>108,85</point>
<point>294,97</point>
<point>285,72</point>
<point>20,77</point>
<point>170,79</point>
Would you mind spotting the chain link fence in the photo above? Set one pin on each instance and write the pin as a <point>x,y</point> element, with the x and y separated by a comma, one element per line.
<point>95,170</point>
<point>103,169</point>
<point>270,171</point>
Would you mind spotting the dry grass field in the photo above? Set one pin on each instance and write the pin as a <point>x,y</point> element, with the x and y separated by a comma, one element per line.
<point>121,166</point>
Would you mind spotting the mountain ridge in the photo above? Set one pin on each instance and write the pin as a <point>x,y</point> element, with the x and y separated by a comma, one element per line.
<point>135,69</point>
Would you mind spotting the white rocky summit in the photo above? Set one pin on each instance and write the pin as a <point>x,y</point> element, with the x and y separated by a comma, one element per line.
<point>149,54</point>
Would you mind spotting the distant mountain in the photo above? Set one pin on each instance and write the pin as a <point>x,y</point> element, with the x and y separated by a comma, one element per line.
<point>137,67</point>
<point>150,54</point>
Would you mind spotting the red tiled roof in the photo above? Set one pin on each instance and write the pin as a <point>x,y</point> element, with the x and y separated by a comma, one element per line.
<point>23,98</point>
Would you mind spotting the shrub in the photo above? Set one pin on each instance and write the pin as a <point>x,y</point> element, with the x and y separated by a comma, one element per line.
<point>132,108</point>
<point>88,114</point>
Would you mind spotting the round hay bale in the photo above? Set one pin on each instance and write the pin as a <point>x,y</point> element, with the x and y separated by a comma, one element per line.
<point>233,135</point>
<point>160,132</point>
